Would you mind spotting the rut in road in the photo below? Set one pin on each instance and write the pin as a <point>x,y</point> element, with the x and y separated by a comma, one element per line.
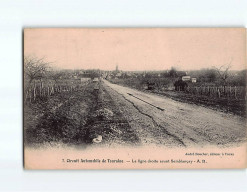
<point>154,122</point>
<point>193,124</point>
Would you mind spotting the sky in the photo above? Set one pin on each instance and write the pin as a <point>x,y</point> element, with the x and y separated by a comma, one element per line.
<point>138,48</point>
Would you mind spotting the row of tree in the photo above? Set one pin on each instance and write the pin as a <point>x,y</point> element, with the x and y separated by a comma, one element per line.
<point>219,75</point>
<point>38,69</point>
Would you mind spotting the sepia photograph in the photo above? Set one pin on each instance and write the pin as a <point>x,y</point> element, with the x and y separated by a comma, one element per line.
<point>124,96</point>
<point>134,98</point>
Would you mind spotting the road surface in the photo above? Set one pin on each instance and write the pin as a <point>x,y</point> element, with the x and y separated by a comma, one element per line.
<point>161,120</point>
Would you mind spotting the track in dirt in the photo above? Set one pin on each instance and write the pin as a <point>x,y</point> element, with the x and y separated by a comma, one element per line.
<point>105,110</point>
<point>148,130</point>
<point>78,118</point>
<point>191,125</point>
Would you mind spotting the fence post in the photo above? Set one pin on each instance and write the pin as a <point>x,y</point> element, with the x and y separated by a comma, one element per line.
<point>26,96</point>
<point>219,93</point>
<point>34,94</point>
<point>40,90</point>
<point>34,91</point>
<point>30,94</point>
<point>235,92</point>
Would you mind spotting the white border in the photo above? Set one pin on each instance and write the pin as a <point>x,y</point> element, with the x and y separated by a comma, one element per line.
<point>15,15</point>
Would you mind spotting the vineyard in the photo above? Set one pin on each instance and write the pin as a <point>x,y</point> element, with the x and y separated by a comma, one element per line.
<point>225,98</point>
<point>164,85</point>
<point>229,92</point>
<point>40,91</point>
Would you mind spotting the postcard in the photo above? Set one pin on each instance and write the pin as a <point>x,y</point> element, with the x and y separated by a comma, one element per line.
<point>134,98</point>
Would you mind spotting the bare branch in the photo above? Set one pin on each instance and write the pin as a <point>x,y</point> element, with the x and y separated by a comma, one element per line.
<point>35,68</point>
<point>223,71</point>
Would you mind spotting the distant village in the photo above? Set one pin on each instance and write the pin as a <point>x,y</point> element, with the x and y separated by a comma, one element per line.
<point>119,74</point>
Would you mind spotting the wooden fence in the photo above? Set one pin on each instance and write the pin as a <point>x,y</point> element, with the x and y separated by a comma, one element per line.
<point>231,92</point>
<point>34,92</point>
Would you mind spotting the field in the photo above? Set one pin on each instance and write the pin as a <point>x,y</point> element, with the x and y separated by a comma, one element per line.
<point>104,114</point>
<point>81,115</point>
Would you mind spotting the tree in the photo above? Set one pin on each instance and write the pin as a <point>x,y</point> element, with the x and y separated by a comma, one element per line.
<point>173,72</point>
<point>211,75</point>
<point>34,68</point>
<point>223,72</point>
<point>56,75</point>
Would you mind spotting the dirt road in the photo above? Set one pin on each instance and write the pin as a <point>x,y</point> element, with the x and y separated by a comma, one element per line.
<point>160,120</point>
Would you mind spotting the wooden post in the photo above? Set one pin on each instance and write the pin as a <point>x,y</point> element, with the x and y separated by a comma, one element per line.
<point>42,87</point>
<point>235,92</point>
<point>39,87</point>
<point>30,95</point>
<point>219,93</point>
<point>26,96</point>
<point>34,91</point>
<point>34,95</point>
